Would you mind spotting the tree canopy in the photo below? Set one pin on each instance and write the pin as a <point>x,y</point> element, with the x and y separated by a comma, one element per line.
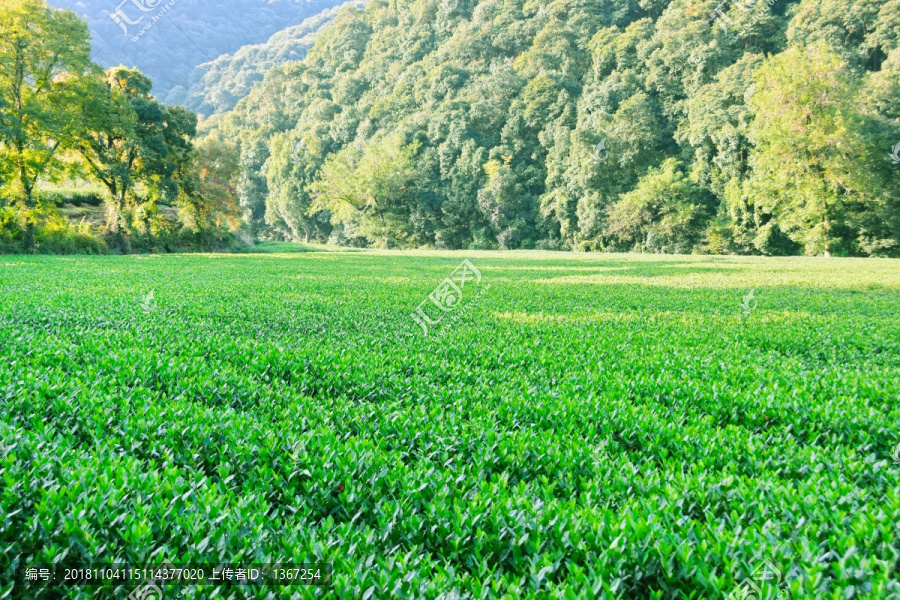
<point>62,118</point>
<point>587,124</point>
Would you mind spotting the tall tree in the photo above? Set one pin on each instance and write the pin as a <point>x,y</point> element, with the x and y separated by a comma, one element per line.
<point>290,169</point>
<point>666,212</point>
<point>811,162</point>
<point>208,195</point>
<point>129,140</point>
<point>44,56</point>
<point>368,190</point>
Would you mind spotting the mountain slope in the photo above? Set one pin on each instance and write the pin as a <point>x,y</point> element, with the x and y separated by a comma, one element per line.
<point>216,86</point>
<point>166,40</point>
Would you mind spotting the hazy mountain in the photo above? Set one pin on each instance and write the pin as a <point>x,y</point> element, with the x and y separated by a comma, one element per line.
<point>216,86</point>
<point>166,39</point>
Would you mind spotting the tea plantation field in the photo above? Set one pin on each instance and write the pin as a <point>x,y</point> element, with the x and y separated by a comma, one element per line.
<point>576,426</point>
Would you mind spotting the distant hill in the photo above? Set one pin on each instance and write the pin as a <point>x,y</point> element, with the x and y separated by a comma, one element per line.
<point>216,86</point>
<point>168,39</point>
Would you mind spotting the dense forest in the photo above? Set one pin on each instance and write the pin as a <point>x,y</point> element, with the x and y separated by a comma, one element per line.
<point>166,39</point>
<point>655,126</point>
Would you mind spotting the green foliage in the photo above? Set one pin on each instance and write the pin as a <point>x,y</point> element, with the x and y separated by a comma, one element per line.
<point>208,194</point>
<point>43,231</point>
<point>510,101</point>
<point>667,212</point>
<point>595,427</point>
<point>62,119</point>
<point>76,196</point>
<point>135,146</point>
<point>44,54</point>
<point>815,167</point>
<point>367,190</point>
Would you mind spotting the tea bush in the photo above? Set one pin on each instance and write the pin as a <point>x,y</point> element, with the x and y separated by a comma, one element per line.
<point>590,427</point>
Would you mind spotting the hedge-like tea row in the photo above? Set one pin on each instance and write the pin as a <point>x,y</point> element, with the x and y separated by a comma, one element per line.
<point>612,427</point>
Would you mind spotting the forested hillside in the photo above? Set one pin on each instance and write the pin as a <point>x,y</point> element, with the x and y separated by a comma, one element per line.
<point>182,33</point>
<point>585,124</point>
<point>218,85</point>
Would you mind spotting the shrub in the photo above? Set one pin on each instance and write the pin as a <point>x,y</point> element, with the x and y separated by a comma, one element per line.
<point>53,234</point>
<point>74,196</point>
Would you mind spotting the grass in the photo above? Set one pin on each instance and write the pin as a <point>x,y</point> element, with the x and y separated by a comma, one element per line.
<point>286,248</point>
<point>591,426</point>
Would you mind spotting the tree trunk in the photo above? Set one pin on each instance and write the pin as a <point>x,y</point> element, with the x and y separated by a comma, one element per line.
<point>28,242</point>
<point>149,231</point>
<point>112,220</point>
<point>30,204</point>
<point>27,188</point>
<point>114,223</point>
<point>29,196</point>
